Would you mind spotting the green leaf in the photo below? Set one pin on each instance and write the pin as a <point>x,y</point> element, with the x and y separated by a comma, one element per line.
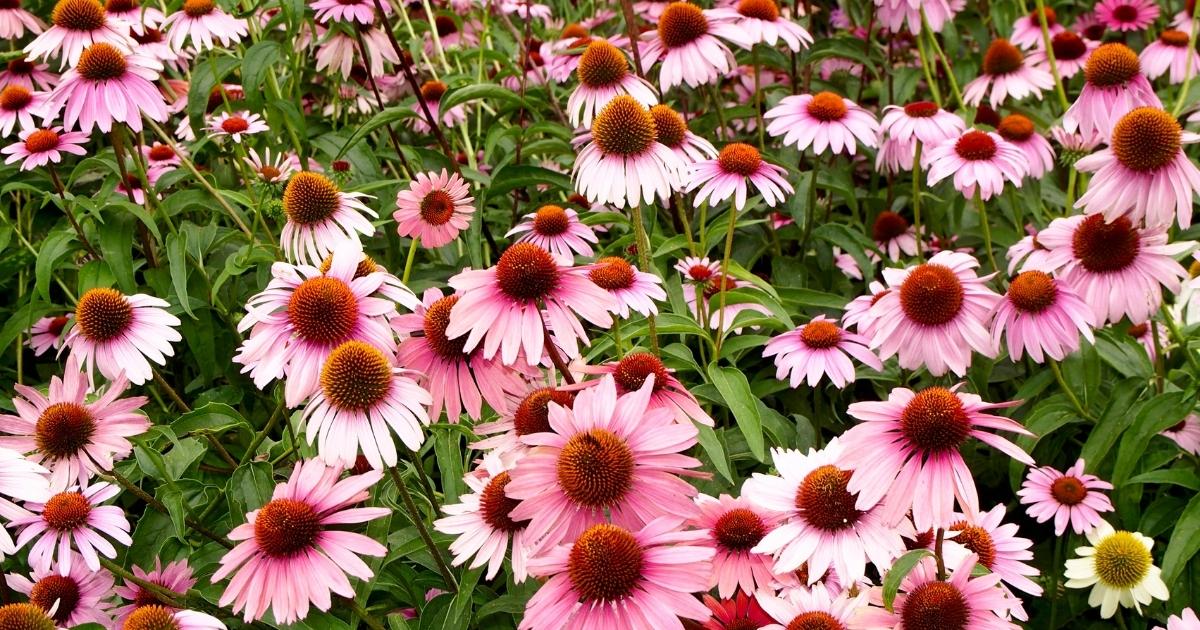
<point>851,241</point>
<point>735,390</point>
<point>116,243</point>
<point>1154,416</point>
<point>208,72</point>
<point>177,258</point>
<point>1184,543</point>
<point>513,176</point>
<point>1112,423</point>
<point>711,443</point>
<point>257,62</point>
<point>22,320</point>
<point>488,91</point>
<point>215,417</point>
<point>1177,477</point>
<point>172,497</point>
<point>57,245</point>
<point>384,117</point>
<point>900,569</point>
<point>250,487</point>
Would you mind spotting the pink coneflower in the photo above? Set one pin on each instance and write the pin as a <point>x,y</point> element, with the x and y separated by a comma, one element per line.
<point>1068,497</point>
<point>893,235</point>
<point>761,22</point>
<point>631,373</point>
<point>617,577</point>
<point>800,608</point>
<point>1071,53</point>
<point>825,121</point>
<point>608,459</point>
<point>603,73</point>
<point>631,289</point>
<point>1185,433</point>
<point>698,270</point>
<point>203,21</point>
<point>742,612</point>
<point>898,14</point>
<point>340,50</point>
<point>304,313</point>
<point>457,380</point>
<point>858,313</point>
<point>1117,269</point>
<point>176,576</point>
<point>734,527</point>
<point>727,175</point>
<point>362,400</point>
<point>704,295</point>
<point>133,183</point>
<point>70,436</point>
<point>1185,620</point>
<point>907,449</point>
<point>289,555</point>
<point>108,86</point>
<point>979,161</point>
<point>46,333</point>
<point>826,526</point>
<point>672,132</point>
<point>158,616</point>
<point>997,546</point>
<point>961,601</point>
<point>557,230</point>
<point>431,94</point>
<point>140,19</point>
<point>1027,30</point>
<point>1019,132</point>
<point>818,349</point>
<point>846,264</point>
<point>895,155</point>
<point>1114,87</point>
<point>482,525</point>
<point>435,208</point>
<point>14,21</point>
<point>1144,333</point>
<point>1144,173</point>
<point>1127,15</point>
<point>1042,316</point>
<point>78,24</point>
<point>270,169</point>
<point>361,11</point>
<point>920,120</point>
<point>236,125</point>
<point>73,519</point>
<point>163,157</point>
<point>28,75</point>
<point>531,415</point>
<point>934,315</point>
<point>1170,52</point>
<point>19,105</point>
<point>117,333</point>
<point>686,43</point>
<point>502,306</point>
<point>621,161</point>
<point>1073,146</point>
<point>320,216</point>
<point>78,598</point>
<point>1008,74</point>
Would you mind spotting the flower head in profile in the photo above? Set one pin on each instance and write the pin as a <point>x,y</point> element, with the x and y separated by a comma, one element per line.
<point>1169,55</point>
<point>1070,498</point>
<point>291,553</point>
<point>206,24</point>
<point>140,19</point>
<point>737,165</point>
<point>108,86</point>
<point>236,125</point>
<point>1185,433</point>
<point>1043,316</point>
<point>1127,15</point>
<point>686,43</point>
<point>633,289</point>
<point>15,20</point>
<point>76,25</point>
<point>607,458</point>
<point>27,74</point>
<point>79,598</point>
<point>823,121</point>
<point>430,97</point>
<point>818,349</point>
<point>1071,53</point>
<point>117,333</point>
<point>761,22</point>
<point>1027,30</point>
<point>175,576</point>
<point>907,450</point>
<point>1118,568</point>
<point>961,601</point>
<point>271,169</point>
<point>922,121</point>
<point>320,216</point>
<point>435,208</point>
<point>816,608</point>
<point>604,73</point>
<point>18,107</point>
<point>673,132</point>
<point>528,416</point>
<point>482,522</point>
<point>612,576</point>
<point>736,613</point>
<point>1114,87</point>
<point>1008,74</point>
<point>632,372</point>
<point>557,230</point>
<point>894,236</point>
<point>1020,132</point>
<point>73,519</point>
<point>621,161</point>
<point>980,161</point>
<point>997,547</point>
<point>348,11</point>
<point>46,333</point>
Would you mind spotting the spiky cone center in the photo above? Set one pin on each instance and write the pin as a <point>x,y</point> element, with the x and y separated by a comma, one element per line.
<point>20,67</point>
<point>285,527</point>
<point>1111,65</point>
<point>1002,58</point>
<point>78,15</point>
<point>624,127</point>
<point>147,36</point>
<point>41,141</point>
<point>533,412</point>
<point>935,421</point>
<point>824,501</point>
<point>821,334</point>
<point>161,152</point>
<point>356,376</point>
<point>234,124</point>
<point>63,429</point>
<point>365,267</point>
<point>595,469</point>
<point>815,620</point>
<point>739,159</point>
<point>66,511</point>
<point>1125,13</point>
<point>551,220</point>
<point>827,107</point>
<point>1068,490</point>
<point>634,368</point>
<point>121,6</point>
<point>765,10</point>
<point>716,284</point>
<point>310,198</point>
<point>25,616</point>
<point>602,65</point>
<point>670,128</point>
<point>931,295</point>
<point>436,321</point>
<point>103,314</point>
<point>680,24</point>
<point>101,62</point>
<point>935,606</point>
<point>1173,38</point>
<point>1105,247</point>
<point>1068,46</point>
<point>445,25</point>
<point>888,225</point>
<point>738,530</point>
<point>975,146</point>
<point>56,589</point>
<point>436,207</point>
<point>323,310</point>
<point>1121,560</point>
<point>1051,17</point>
<point>1032,291</point>
<point>495,506</point>
<point>15,97</point>
<point>1146,139</point>
<point>198,8</point>
<point>152,617</point>
<point>977,539</point>
<point>432,91</point>
<point>605,564</point>
<point>57,324</point>
<point>612,273</point>
<point>1015,128</point>
<point>574,30</point>
<point>526,272</point>
<point>921,109</point>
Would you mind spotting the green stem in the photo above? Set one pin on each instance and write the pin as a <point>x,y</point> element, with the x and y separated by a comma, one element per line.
<point>987,229</point>
<point>359,611</point>
<point>945,62</point>
<point>683,218</point>
<point>716,101</point>
<point>419,522</point>
<point>643,250</point>
<point>412,255</point>
<point>1187,80</point>
<point>933,86</point>
<point>261,435</point>
<point>916,199</point>
<point>1066,390</point>
<point>1173,326</point>
<point>758,99</point>
<point>724,273</point>
<point>1054,569</point>
<point>1072,180</point>
<point>1046,42</point>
